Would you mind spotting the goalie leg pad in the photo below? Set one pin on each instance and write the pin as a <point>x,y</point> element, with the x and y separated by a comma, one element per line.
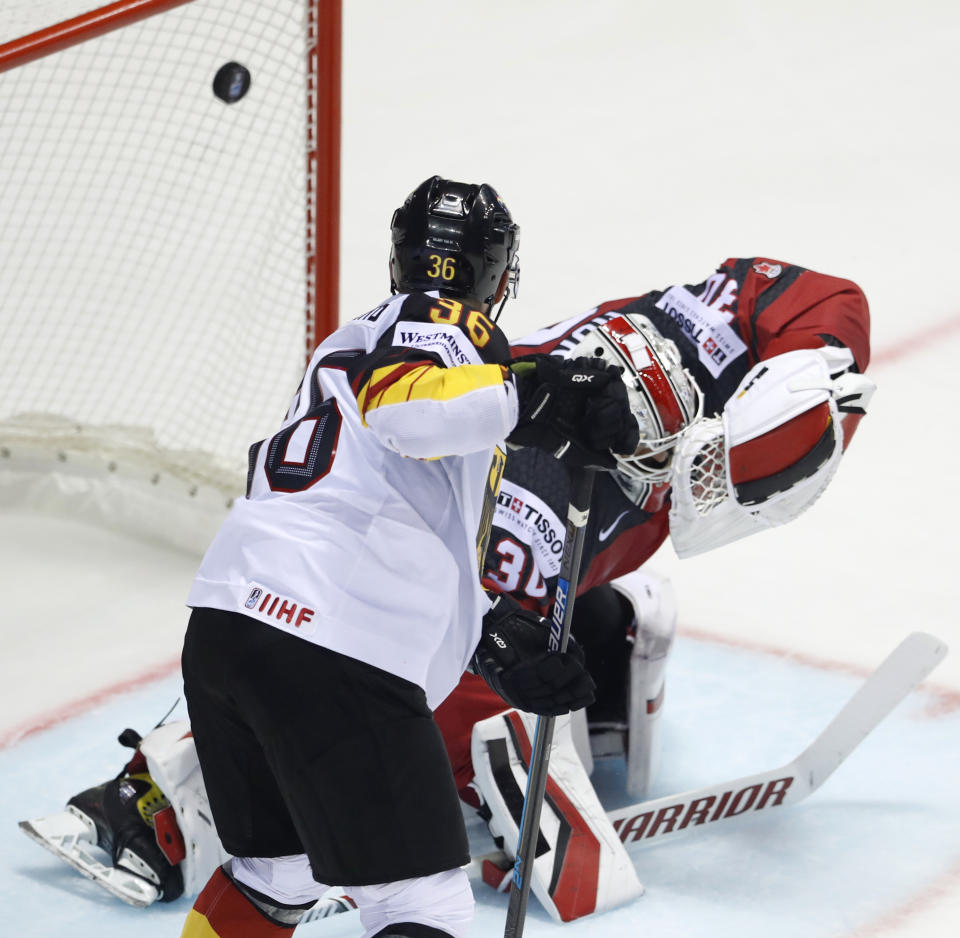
<point>581,866</point>
<point>173,764</point>
<point>655,616</point>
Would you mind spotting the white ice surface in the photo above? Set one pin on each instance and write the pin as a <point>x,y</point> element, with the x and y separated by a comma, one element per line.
<point>638,145</point>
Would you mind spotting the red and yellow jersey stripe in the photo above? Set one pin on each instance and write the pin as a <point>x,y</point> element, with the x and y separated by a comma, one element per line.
<point>413,381</point>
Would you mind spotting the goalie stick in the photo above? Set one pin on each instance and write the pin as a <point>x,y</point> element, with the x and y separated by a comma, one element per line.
<point>651,822</point>
<point>904,668</point>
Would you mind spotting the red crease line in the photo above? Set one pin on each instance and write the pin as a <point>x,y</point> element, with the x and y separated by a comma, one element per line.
<point>944,700</point>
<point>918,342</point>
<point>75,708</point>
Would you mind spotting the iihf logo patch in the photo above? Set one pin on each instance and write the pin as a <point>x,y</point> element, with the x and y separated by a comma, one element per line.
<point>276,609</point>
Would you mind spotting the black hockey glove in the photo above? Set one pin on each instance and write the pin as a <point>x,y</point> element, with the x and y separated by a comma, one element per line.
<point>575,408</point>
<point>513,659</point>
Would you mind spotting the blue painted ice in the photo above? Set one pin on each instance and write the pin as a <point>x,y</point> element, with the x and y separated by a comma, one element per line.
<point>878,832</point>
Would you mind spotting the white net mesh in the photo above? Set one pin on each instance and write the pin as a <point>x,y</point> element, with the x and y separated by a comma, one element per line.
<point>706,479</point>
<point>152,252</point>
<point>703,515</point>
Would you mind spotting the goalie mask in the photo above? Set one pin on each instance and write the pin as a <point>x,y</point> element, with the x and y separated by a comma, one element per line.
<point>663,396</point>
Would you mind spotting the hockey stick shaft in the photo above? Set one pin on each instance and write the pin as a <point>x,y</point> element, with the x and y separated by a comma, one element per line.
<point>577,515</point>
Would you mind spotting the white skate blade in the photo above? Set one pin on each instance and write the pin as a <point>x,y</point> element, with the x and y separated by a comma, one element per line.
<point>70,837</point>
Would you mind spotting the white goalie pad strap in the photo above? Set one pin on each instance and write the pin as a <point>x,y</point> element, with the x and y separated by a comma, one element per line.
<point>655,614</point>
<point>771,454</point>
<point>581,866</point>
<point>172,761</point>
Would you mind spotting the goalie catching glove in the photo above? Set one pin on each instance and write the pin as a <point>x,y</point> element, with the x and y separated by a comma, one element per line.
<point>576,408</point>
<point>512,657</point>
<point>772,452</point>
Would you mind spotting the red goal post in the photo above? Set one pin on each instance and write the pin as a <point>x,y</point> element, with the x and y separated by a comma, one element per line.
<point>64,34</point>
<point>166,258</point>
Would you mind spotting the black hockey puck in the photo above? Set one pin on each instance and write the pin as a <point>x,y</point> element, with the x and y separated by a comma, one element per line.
<point>231,82</point>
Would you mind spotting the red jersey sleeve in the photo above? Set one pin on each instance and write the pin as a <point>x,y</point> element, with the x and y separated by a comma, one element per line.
<point>782,307</point>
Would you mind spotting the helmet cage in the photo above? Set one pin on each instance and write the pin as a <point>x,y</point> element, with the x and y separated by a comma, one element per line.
<point>664,398</point>
<point>456,238</point>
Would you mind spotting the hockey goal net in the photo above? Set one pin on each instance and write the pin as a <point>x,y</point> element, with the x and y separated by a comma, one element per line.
<point>167,255</point>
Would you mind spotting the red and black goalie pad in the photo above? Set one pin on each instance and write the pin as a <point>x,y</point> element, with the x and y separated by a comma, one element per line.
<point>577,851</point>
<point>777,460</point>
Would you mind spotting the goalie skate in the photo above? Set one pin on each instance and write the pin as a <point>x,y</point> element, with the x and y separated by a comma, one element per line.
<point>72,836</point>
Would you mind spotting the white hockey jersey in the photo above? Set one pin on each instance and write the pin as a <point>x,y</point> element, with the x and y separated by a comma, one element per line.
<point>367,514</point>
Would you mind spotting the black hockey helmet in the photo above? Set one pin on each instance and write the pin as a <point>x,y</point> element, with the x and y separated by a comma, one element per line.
<point>454,237</point>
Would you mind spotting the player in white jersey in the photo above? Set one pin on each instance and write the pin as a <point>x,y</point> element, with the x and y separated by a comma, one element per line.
<point>341,599</point>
